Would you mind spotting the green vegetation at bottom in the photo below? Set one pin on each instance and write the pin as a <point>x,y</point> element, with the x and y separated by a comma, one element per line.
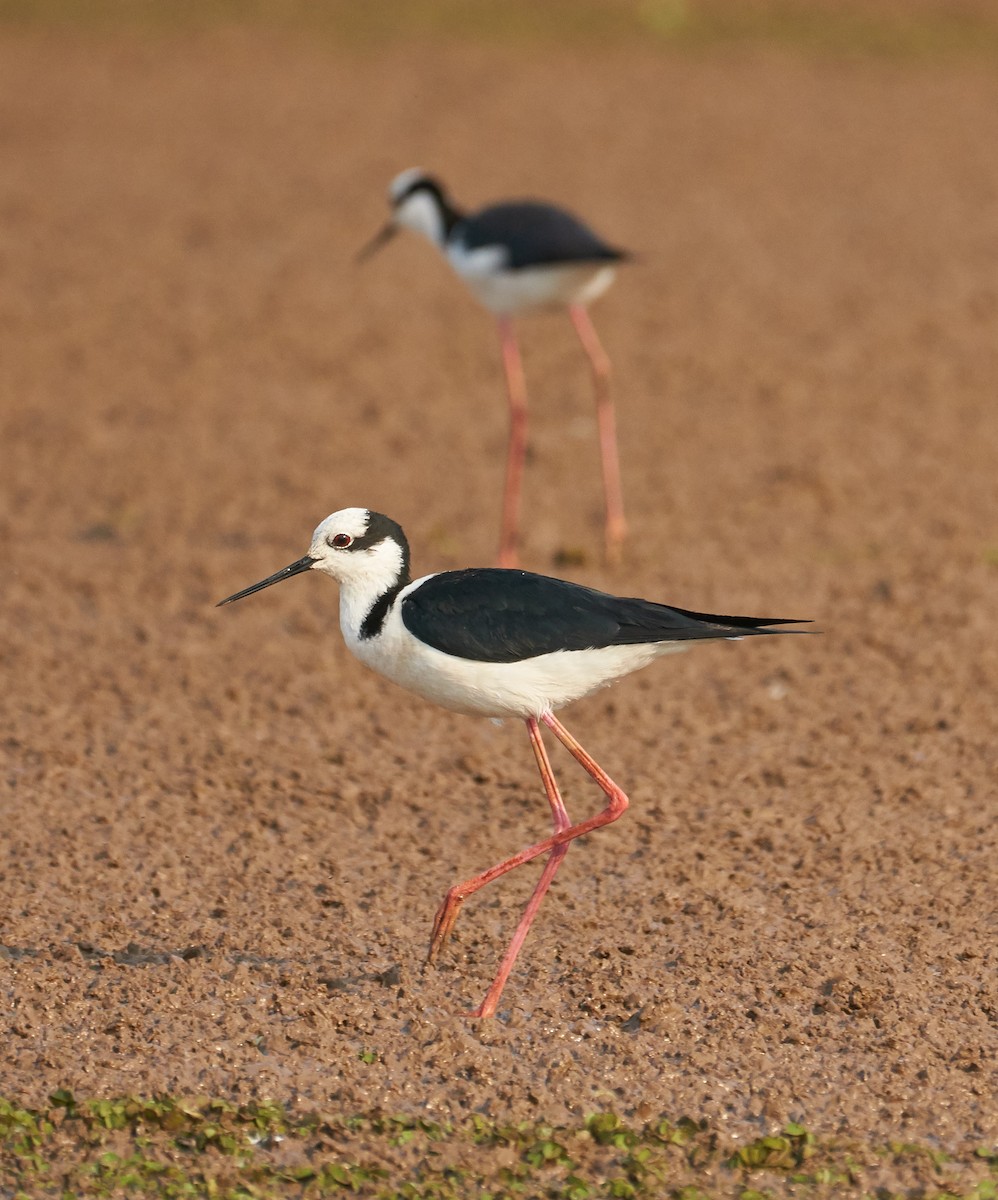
<point>167,1147</point>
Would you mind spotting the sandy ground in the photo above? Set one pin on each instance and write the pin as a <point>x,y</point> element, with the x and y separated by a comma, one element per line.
<point>224,841</point>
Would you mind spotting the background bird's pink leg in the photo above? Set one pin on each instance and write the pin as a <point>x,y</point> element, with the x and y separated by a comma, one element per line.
<point>560,839</point>
<point>516,389</point>
<point>615,526</point>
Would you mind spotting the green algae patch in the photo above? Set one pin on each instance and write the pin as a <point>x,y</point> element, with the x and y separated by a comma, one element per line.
<point>172,1147</point>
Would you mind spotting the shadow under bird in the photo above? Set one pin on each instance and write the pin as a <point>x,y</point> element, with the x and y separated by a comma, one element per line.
<point>516,256</point>
<point>497,643</point>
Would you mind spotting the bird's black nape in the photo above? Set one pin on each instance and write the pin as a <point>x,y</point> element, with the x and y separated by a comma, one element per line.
<point>449,211</point>
<point>380,528</point>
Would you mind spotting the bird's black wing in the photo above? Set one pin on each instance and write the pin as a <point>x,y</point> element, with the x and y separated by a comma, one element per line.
<point>495,615</point>
<point>534,235</point>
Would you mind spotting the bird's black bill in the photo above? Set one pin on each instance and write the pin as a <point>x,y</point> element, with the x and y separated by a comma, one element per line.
<point>296,568</point>
<point>380,238</point>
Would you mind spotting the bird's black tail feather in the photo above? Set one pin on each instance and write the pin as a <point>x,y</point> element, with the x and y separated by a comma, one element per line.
<point>746,625</point>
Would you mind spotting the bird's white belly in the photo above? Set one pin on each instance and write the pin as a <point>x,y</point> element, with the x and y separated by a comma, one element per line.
<point>503,291</point>
<point>526,688</point>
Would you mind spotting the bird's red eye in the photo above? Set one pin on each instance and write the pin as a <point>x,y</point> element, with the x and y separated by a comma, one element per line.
<point>340,540</point>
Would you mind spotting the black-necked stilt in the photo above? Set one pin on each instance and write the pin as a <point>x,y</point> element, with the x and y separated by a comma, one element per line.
<point>496,643</point>
<point>514,257</point>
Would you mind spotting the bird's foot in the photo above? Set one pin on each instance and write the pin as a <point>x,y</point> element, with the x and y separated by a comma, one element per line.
<point>443,923</point>
<point>486,1009</point>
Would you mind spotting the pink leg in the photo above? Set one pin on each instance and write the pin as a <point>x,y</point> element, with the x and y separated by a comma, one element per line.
<point>616,526</point>
<point>555,846</point>
<point>451,906</point>
<point>516,454</point>
<point>488,1006</point>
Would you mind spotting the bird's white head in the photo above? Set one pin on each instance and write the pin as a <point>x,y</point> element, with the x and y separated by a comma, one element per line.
<point>365,552</point>
<point>357,546</point>
<point>408,181</point>
<point>419,203</point>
